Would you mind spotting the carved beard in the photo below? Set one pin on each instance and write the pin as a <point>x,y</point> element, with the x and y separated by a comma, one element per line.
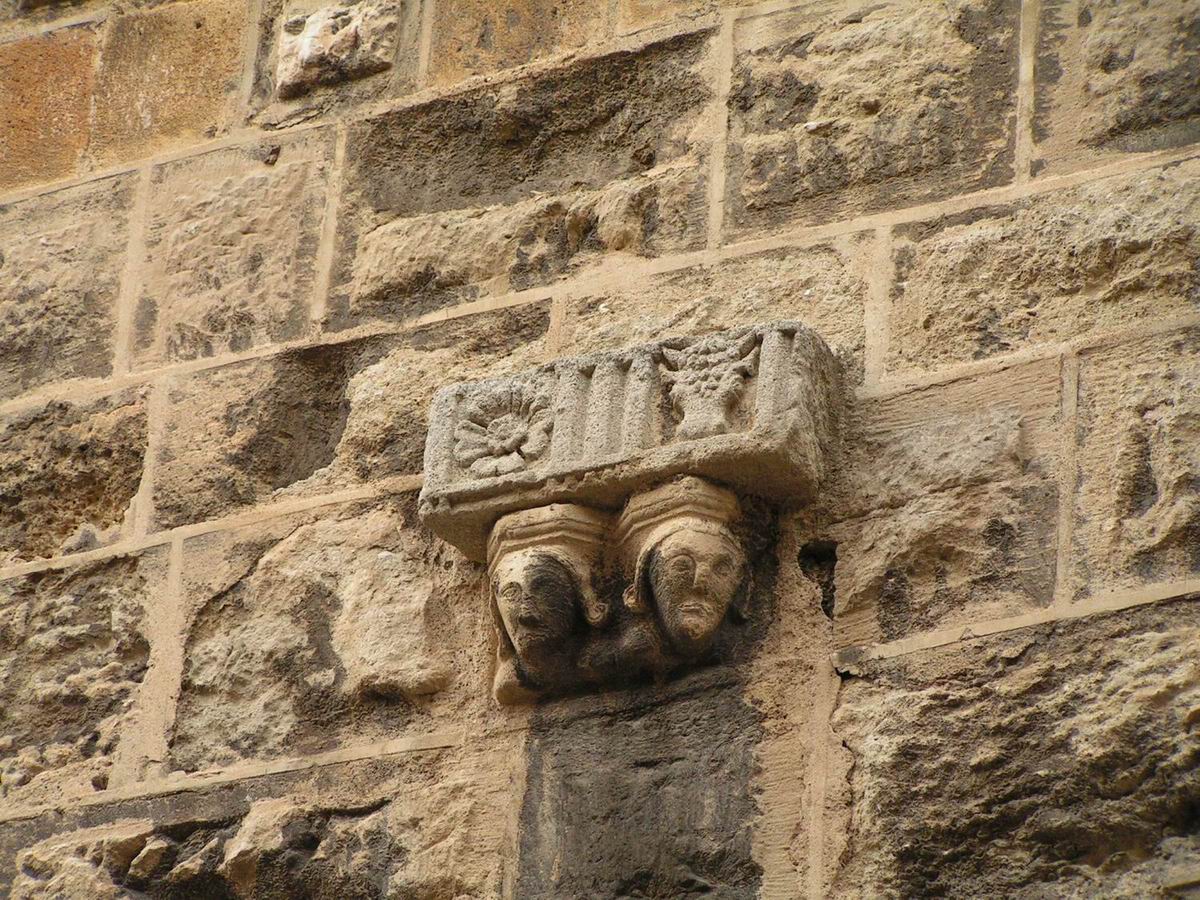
<point>539,608</point>
<point>694,578</point>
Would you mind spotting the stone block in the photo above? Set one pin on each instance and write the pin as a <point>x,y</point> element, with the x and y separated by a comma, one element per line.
<point>1113,78</point>
<point>73,650</point>
<point>840,108</point>
<point>316,57</point>
<point>230,250</point>
<point>69,473</point>
<point>168,75</point>
<point>323,418</point>
<point>635,14</point>
<point>61,256</point>
<point>45,101</point>
<point>754,408</point>
<point>413,265</point>
<point>578,127</point>
<point>414,824</point>
<point>1137,498</point>
<point>331,628</point>
<point>474,37</point>
<point>1052,761</point>
<point>824,286</point>
<point>1051,268</point>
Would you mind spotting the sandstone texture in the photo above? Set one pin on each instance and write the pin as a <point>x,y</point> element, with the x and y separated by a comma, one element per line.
<point>1115,77</point>
<point>316,58</point>
<point>513,186</point>
<point>168,75</point>
<point>60,263</point>
<point>635,14</point>
<point>1137,499</point>
<point>472,37</point>
<point>73,650</point>
<point>69,473</point>
<point>1059,761</point>
<point>322,418</point>
<point>230,250</point>
<point>318,630</point>
<point>1056,267</point>
<point>843,108</point>
<point>45,96</point>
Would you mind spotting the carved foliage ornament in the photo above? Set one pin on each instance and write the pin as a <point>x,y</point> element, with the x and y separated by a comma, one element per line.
<point>603,493</point>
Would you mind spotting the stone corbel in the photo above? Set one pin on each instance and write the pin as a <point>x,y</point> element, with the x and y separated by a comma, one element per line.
<point>606,494</point>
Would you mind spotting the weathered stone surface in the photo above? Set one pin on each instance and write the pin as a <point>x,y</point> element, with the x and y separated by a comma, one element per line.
<point>635,14</point>
<point>315,57</point>
<point>231,245</point>
<point>45,98</point>
<point>68,474</point>
<point>60,267</point>
<point>472,37</point>
<point>73,649</point>
<point>1115,77</point>
<point>753,408</point>
<point>823,286</point>
<point>413,265</point>
<point>1051,268</point>
<point>311,420</point>
<point>168,75</point>
<point>1058,761</point>
<point>503,188</point>
<point>840,108</point>
<point>428,825</point>
<point>1137,501</point>
<point>651,799</point>
<point>329,628</point>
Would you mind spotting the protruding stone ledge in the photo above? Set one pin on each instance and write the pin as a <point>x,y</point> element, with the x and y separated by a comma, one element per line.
<point>750,408</point>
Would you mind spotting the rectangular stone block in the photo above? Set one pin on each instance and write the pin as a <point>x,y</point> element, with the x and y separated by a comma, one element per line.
<point>507,187</point>
<point>473,37</point>
<point>45,101</point>
<point>230,250</point>
<point>754,408</point>
<point>824,286</point>
<point>1055,761</point>
<point>69,473</point>
<point>1112,78</point>
<point>1050,268</point>
<point>1137,499</point>
<point>309,421</point>
<point>61,256</point>
<point>317,58</point>
<point>168,75</point>
<point>839,108</point>
<point>338,627</point>
<point>73,650</point>
<point>413,265</point>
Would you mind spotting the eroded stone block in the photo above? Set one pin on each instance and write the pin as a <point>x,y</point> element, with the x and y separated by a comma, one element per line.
<point>60,266</point>
<point>312,420</point>
<point>68,474</point>
<point>168,75</point>
<point>45,100</point>
<point>1055,761</point>
<point>635,14</point>
<point>1137,503</point>
<point>823,286</point>
<point>333,44</point>
<point>324,629</point>
<point>1115,77</point>
<point>840,108</point>
<point>1052,268</point>
<point>231,246</point>
<point>472,37</point>
<point>73,650</point>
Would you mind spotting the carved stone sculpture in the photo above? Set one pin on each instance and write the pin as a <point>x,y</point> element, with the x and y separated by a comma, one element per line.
<point>606,492</point>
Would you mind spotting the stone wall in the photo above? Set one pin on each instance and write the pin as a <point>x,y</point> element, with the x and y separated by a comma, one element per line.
<point>242,242</point>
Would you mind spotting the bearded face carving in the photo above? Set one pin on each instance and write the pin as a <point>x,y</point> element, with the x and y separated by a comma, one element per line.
<point>694,577</point>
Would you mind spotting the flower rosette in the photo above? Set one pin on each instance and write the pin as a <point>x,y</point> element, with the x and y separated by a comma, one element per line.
<point>502,430</point>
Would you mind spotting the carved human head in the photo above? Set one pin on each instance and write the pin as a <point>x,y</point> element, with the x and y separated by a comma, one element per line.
<point>537,603</point>
<point>689,569</point>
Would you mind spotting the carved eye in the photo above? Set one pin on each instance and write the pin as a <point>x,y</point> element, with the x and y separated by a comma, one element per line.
<point>682,567</point>
<point>723,566</point>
